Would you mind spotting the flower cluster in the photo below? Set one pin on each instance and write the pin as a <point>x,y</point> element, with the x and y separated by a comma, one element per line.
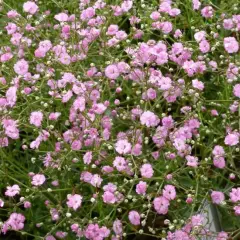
<point>119,118</point>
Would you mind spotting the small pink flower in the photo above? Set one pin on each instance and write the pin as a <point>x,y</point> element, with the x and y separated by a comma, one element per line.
<point>204,46</point>
<point>146,170</point>
<point>231,139</point>
<point>192,161</point>
<point>87,158</point>
<point>117,227</point>
<point>218,151</point>
<point>228,24</point>
<point>161,205</point>
<point>222,236</point>
<point>61,17</point>
<point>21,67</point>
<point>15,222</point>
<point>231,45</point>
<point>36,118</point>
<point>112,30</point>
<point>30,7</point>
<point>120,164</point>
<point>200,36</point>
<point>76,145</point>
<point>197,220</point>
<point>198,84</point>
<point>207,12</point>
<point>109,197</point>
<point>219,162</point>
<point>134,218</point>
<point>1,203</point>
<point>237,210</point>
<point>38,179</point>
<point>217,197</point>
<point>236,90</point>
<point>141,188</point>
<point>196,4</point>
<point>12,190</point>
<point>74,201</point>
<point>54,116</point>
<point>123,146</point>
<point>27,204</point>
<point>112,72</point>
<point>99,108</point>
<point>149,119</point>
<point>96,180</point>
<point>235,194</point>
<point>169,192</point>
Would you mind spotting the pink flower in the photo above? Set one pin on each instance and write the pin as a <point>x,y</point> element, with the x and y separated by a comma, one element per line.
<point>96,180</point>
<point>30,7</point>
<point>196,4</point>
<point>10,127</point>
<point>112,72</point>
<point>27,204</point>
<point>87,14</point>
<point>54,116</point>
<point>200,36</point>
<point>50,237</point>
<point>12,14</point>
<point>166,27</point>
<point>231,139</point>
<point>74,201</point>
<point>38,179</point>
<point>235,194</point>
<point>21,67</point>
<point>149,119</point>
<point>161,205</point>
<point>11,96</point>
<point>94,232</point>
<point>217,197</point>
<point>61,17</point>
<point>222,236</point>
<point>198,84</point>
<point>197,220</point>
<point>12,190</point>
<point>204,46</point>
<point>117,227</point>
<point>218,151</point>
<point>165,83</point>
<point>155,15</point>
<point>109,197</point>
<point>236,90</point>
<point>36,118</point>
<point>120,164</point>
<point>134,218</point>
<point>228,24</point>
<point>141,188</point>
<point>87,158</point>
<point>123,146</point>
<point>231,45</point>
<point>15,222</point>
<point>112,30</point>
<point>1,203</point>
<point>99,108</point>
<point>169,192</point>
<point>65,59</point>
<point>146,170</point>
<point>237,210</point>
<point>207,12</point>
<point>76,145</point>
<point>219,162</point>
<point>192,161</point>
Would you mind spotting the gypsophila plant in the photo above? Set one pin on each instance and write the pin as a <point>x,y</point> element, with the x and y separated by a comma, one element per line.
<point>119,119</point>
